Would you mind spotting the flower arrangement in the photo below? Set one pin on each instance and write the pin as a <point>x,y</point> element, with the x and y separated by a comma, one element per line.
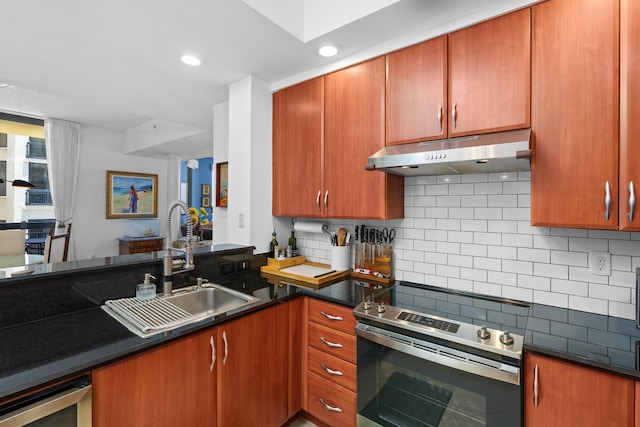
<point>198,219</point>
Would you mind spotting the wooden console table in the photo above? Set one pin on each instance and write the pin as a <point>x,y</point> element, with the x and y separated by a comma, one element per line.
<point>133,245</point>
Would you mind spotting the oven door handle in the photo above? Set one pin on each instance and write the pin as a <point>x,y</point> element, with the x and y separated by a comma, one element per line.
<point>440,354</point>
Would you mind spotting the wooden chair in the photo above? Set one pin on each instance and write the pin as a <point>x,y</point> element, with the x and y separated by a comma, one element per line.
<point>12,242</point>
<point>56,246</point>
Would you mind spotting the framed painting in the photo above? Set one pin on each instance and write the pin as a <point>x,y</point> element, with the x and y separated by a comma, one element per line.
<point>206,202</point>
<point>222,184</point>
<point>206,190</point>
<point>131,195</point>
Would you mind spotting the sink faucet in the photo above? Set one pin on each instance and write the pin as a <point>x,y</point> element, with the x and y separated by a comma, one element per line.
<point>184,262</point>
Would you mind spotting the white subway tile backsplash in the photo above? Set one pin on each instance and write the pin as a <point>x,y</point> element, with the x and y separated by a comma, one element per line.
<point>611,293</point>
<point>560,243</point>
<point>621,247</point>
<point>473,233</point>
<point>569,287</point>
<point>592,305</point>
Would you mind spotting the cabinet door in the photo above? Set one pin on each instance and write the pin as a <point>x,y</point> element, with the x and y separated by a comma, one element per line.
<point>169,386</point>
<point>573,395</point>
<point>252,369</point>
<point>354,130</point>
<point>629,114</point>
<point>575,105</point>
<point>417,92</point>
<point>490,75</point>
<point>298,162</point>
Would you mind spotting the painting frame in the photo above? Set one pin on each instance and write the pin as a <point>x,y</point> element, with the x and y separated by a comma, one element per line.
<point>119,202</point>
<point>222,184</point>
<point>206,189</point>
<point>206,202</point>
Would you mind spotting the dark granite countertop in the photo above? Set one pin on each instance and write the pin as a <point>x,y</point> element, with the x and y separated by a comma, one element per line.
<point>60,344</point>
<point>38,352</point>
<point>599,341</point>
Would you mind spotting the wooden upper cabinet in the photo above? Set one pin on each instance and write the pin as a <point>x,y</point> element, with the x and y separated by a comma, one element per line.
<point>354,130</point>
<point>574,395</point>
<point>417,92</point>
<point>629,114</point>
<point>298,166</point>
<point>490,75</point>
<point>575,112</point>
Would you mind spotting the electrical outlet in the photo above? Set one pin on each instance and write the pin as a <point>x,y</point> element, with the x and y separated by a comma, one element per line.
<point>600,263</point>
<point>240,220</point>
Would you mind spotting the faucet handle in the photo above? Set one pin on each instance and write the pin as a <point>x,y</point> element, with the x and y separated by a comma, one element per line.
<point>200,281</point>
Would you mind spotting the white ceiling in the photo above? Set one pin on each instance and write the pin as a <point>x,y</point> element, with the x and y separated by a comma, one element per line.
<point>116,63</point>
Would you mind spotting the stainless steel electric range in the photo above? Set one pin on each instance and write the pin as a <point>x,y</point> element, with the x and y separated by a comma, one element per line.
<point>448,360</point>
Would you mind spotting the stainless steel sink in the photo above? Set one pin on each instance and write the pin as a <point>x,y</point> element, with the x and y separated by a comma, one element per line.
<point>185,306</point>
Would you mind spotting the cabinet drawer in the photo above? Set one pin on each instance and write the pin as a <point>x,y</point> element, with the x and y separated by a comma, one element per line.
<point>331,403</point>
<point>332,315</point>
<point>332,368</point>
<point>333,342</point>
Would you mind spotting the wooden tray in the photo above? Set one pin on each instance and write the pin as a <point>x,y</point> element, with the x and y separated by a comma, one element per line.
<point>274,267</point>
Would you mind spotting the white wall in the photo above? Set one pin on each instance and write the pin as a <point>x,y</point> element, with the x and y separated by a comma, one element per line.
<point>220,154</point>
<point>93,235</point>
<point>473,233</point>
<point>249,211</point>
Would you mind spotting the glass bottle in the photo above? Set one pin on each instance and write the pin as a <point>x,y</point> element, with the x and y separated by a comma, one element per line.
<point>273,246</point>
<point>293,246</point>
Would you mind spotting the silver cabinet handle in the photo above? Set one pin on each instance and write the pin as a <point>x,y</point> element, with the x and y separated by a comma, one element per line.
<point>607,200</point>
<point>226,347</point>
<point>535,386</point>
<point>632,200</point>
<point>213,353</point>
<point>331,344</point>
<point>330,317</point>
<point>440,119</point>
<point>454,113</point>
<point>329,407</point>
<point>330,371</point>
<point>318,200</point>
<point>326,198</point>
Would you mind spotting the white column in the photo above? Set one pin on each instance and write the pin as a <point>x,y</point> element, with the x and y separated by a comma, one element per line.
<point>249,212</point>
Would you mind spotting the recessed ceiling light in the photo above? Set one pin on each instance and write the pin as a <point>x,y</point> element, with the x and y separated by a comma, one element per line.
<point>5,85</point>
<point>190,60</point>
<point>327,49</point>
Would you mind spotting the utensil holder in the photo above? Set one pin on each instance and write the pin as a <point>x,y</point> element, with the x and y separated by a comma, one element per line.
<point>341,258</point>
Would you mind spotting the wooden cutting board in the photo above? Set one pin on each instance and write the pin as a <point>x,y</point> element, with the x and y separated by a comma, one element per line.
<point>299,268</point>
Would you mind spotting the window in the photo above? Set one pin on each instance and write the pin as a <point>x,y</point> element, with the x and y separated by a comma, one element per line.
<point>3,140</point>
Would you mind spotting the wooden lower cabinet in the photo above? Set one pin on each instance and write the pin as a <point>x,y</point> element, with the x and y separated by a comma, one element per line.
<point>236,374</point>
<point>331,364</point>
<point>574,395</point>
<point>252,364</point>
<point>171,385</point>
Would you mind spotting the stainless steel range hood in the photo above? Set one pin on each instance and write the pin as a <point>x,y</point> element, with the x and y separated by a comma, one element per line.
<point>506,151</point>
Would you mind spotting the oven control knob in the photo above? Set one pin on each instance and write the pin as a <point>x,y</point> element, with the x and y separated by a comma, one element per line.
<point>366,305</point>
<point>483,333</point>
<point>506,339</point>
<point>381,308</point>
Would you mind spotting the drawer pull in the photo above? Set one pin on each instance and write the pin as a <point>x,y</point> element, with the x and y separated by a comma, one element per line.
<point>331,344</point>
<point>330,317</point>
<point>329,407</point>
<point>213,354</point>
<point>330,371</point>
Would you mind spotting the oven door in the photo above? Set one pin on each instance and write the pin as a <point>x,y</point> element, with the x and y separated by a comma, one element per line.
<point>67,405</point>
<point>403,381</point>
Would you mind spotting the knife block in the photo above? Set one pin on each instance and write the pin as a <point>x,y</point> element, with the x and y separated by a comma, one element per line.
<point>381,264</point>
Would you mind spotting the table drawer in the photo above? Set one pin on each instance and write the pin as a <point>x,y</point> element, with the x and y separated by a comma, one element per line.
<point>333,342</point>
<point>332,368</point>
<point>331,403</point>
<point>332,315</point>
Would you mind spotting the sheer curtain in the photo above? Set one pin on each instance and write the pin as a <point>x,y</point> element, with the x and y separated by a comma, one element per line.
<point>62,139</point>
